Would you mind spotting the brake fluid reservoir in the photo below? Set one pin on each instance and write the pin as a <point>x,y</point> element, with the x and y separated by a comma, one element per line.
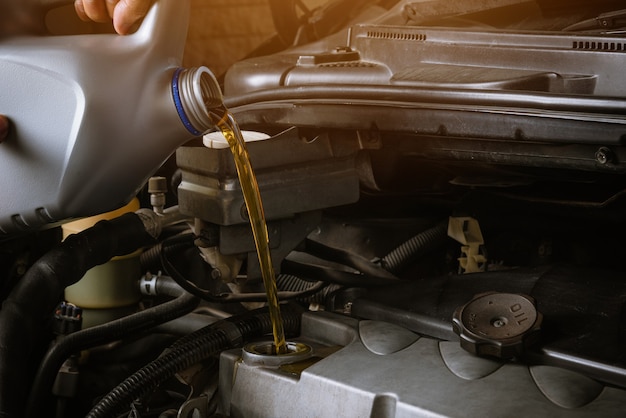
<point>93,116</point>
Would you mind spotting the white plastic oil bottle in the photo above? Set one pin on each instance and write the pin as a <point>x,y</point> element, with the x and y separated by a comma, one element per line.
<point>94,115</point>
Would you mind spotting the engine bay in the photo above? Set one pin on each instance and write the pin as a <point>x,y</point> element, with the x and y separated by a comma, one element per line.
<point>443,185</point>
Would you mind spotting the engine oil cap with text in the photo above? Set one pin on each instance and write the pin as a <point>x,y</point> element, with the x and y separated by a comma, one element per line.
<point>500,325</point>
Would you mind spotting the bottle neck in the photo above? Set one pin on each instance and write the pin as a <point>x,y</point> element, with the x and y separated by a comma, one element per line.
<point>197,97</point>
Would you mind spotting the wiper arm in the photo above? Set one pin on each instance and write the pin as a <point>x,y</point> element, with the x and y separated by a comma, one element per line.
<point>610,20</point>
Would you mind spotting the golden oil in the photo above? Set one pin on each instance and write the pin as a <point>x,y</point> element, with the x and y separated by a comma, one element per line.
<point>252,197</point>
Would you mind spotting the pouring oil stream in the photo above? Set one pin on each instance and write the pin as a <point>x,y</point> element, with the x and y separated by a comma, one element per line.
<point>252,197</point>
<point>200,103</point>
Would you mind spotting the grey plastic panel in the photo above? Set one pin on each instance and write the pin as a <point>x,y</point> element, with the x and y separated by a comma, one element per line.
<point>526,87</point>
<point>567,63</point>
<point>413,382</point>
<point>577,56</point>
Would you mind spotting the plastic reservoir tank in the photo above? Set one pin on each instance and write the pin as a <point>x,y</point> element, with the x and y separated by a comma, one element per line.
<point>94,115</point>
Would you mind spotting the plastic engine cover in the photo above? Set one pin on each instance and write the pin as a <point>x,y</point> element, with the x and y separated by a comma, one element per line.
<point>376,369</point>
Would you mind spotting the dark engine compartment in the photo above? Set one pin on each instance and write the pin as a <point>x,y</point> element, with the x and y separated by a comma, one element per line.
<point>410,162</point>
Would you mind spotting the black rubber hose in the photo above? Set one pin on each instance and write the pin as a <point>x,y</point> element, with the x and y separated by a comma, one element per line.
<point>27,309</point>
<point>408,251</point>
<point>192,349</point>
<point>292,283</point>
<point>333,275</point>
<point>168,247</point>
<point>106,333</point>
<point>150,258</point>
<point>287,282</point>
<point>346,258</point>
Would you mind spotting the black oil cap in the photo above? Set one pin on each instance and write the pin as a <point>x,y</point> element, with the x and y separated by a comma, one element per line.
<point>500,325</point>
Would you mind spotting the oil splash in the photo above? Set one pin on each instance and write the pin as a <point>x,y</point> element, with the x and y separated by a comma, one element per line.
<point>252,197</point>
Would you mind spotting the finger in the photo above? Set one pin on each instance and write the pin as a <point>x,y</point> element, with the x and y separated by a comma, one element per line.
<point>95,10</point>
<point>110,4</point>
<point>80,10</point>
<point>128,13</point>
<point>4,128</point>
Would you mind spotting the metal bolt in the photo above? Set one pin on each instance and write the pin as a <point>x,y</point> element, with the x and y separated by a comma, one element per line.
<point>216,274</point>
<point>604,155</point>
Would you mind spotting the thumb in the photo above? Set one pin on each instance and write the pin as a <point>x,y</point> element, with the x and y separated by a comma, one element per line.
<point>128,13</point>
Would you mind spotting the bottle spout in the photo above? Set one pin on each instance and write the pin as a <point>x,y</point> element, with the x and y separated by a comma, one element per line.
<point>198,99</point>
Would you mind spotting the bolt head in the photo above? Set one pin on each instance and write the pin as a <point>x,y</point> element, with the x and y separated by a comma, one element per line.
<point>604,155</point>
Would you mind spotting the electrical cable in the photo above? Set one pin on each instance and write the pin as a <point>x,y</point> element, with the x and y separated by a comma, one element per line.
<point>103,334</point>
<point>178,277</point>
<point>363,265</point>
<point>368,273</point>
<point>192,349</point>
<point>24,313</point>
<point>333,275</point>
<point>150,258</point>
<point>295,283</point>
<point>411,249</point>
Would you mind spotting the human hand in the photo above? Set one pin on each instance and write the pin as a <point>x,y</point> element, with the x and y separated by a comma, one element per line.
<point>4,128</point>
<point>126,14</point>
